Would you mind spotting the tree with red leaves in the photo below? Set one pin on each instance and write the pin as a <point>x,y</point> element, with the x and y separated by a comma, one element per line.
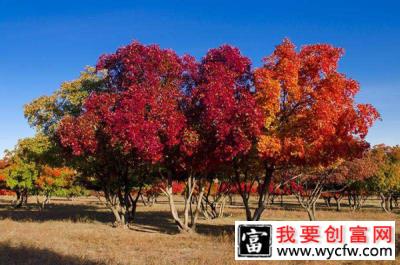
<point>226,116</point>
<point>132,125</point>
<point>148,120</point>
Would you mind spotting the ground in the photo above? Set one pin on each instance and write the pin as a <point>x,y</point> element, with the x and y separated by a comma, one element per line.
<point>80,232</point>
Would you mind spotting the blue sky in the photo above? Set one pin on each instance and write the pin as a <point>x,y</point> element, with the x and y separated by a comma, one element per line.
<point>43,43</point>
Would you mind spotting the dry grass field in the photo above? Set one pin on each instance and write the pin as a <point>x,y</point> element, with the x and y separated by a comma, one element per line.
<point>80,232</point>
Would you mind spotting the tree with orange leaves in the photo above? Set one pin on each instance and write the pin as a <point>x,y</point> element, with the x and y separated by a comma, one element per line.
<point>55,181</point>
<point>3,165</point>
<point>310,114</point>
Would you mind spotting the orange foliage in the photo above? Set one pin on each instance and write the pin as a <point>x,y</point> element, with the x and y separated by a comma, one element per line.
<point>51,176</point>
<point>310,113</point>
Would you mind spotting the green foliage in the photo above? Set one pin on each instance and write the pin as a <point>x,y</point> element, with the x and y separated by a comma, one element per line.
<point>45,112</point>
<point>73,191</point>
<point>387,177</point>
<point>20,174</point>
<point>40,150</point>
<point>34,166</point>
<point>23,169</point>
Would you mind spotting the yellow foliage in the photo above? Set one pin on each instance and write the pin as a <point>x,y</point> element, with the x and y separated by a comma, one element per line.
<point>269,146</point>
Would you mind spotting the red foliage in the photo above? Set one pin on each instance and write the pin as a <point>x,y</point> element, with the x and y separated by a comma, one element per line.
<point>4,192</point>
<point>139,112</point>
<point>248,187</point>
<point>156,189</point>
<point>224,110</point>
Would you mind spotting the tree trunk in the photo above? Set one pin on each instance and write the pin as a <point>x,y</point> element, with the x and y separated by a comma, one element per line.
<point>189,214</point>
<point>181,225</point>
<point>263,193</point>
<point>134,202</point>
<point>22,198</point>
<point>338,200</point>
<point>311,214</point>
<point>112,204</point>
<point>18,193</point>
<point>197,210</point>
<point>384,202</point>
<point>313,211</point>
<point>247,208</point>
<point>327,202</point>
<point>215,208</point>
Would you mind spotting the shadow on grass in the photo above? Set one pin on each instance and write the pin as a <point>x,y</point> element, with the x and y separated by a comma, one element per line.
<point>162,222</point>
<point>149,221</point>
<point>58,212</point>
<point>146,221</point>
<point>24,255</point>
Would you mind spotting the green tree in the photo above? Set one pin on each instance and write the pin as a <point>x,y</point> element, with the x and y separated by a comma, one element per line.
<point>45,112</point>
<point>20,176</point>
<point>26,162</point>
<point>387,178</point>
